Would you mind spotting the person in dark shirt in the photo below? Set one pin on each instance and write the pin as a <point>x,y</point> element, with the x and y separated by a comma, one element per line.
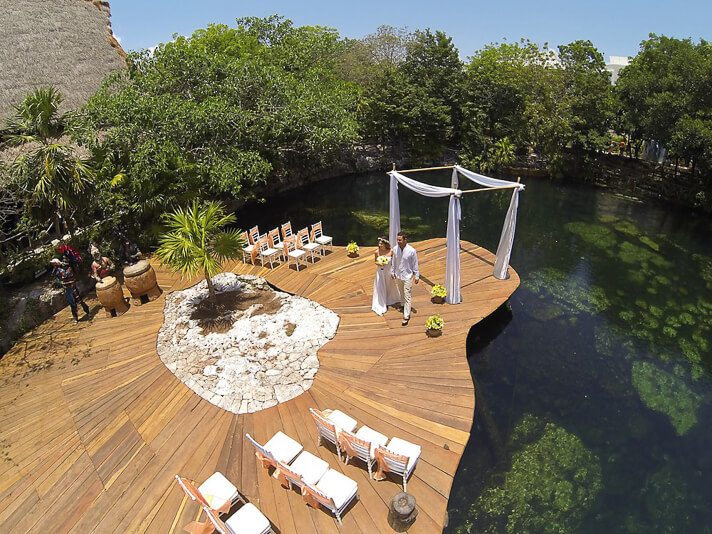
<point>130,254</point>
<point>65,274</point>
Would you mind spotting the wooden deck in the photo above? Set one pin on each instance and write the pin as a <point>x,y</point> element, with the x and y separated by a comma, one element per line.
<point>93,427</point>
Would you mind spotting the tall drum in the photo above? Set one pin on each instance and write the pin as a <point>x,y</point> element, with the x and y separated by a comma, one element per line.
<point>111,296</point>
<point>140,280</point>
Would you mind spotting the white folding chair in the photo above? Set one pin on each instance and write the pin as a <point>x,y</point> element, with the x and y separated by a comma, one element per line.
<point>334,491</point>
<point>306,244</point>
<point>317,236</point>
<point>266,252</point>
<point>287,230</point>
<point>275,241</point>
<point>293,253</point>
<point>247,520</point>
<point>280,448</point>
<point>217,492</point>
<point>328,427</point>
<point>399,457</point>
<point>363,445</point>
<point>247,248</point>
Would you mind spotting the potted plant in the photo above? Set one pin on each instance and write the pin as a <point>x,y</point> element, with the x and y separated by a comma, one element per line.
<point>352,249</point>
<point>434,326</point>
<point>438,294</point>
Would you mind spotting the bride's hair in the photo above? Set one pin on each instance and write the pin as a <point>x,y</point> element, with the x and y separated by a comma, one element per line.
<point>385,242</point>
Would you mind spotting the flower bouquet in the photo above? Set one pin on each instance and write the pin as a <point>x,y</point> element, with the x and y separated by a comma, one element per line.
<point>382,261</point>
<point>438,294</point>
<point>434,326</point>
<point>352,249</point>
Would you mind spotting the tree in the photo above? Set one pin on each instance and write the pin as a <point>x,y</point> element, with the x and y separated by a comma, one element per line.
<point>197,241</point>
<point>664,96</point>
<point>48,171</point>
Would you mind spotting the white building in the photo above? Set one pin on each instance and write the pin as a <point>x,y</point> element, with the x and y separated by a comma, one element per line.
<point>615,64</point>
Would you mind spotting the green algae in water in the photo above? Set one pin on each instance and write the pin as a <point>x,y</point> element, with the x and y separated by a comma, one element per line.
<point>553,482</point>
<point>571,295</point>
<point>647,241</point>
<point>626,227</point>
<point>593,234</point>
<point>635,255</point>
<point>667,393</point>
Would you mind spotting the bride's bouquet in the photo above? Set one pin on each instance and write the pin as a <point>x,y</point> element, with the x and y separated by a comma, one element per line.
<point>382,261</point>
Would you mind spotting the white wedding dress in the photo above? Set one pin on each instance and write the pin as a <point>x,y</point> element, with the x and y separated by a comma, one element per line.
<point>385,292</point>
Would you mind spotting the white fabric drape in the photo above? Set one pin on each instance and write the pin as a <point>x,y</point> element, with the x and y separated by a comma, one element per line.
<point>393,212</point>
<point>452,260</point>
<point>506,239</point>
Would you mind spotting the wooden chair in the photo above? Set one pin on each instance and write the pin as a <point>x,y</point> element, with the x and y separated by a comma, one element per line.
<point>334,491</point>
<point>247,249</point>
<point>293,252</point>
<point>253,235</point>
<point>307,467</point>
<point>247,520</point>
<point>286,230</point>
<point>328,428</point>
<point>275,242</point>
<point>398,457</point>
<point>306,244</point>
<point>280,448</point>
<point>317,236</point>
<point>217,492</point>
<point>266,252</point>
<point>362,445</point>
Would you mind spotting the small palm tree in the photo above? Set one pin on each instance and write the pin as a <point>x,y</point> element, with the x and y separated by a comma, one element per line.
<point>49,170</point>
<point>197,241</point>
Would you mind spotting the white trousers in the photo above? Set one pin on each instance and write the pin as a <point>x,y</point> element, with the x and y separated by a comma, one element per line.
<point>405,288</point>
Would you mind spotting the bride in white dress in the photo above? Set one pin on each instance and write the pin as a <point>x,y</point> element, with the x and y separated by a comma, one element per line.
<point>385,292</point>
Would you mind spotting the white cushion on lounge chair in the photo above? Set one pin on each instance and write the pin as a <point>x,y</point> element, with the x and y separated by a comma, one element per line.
<point>337,486</point>
<point>405,448</point>
<point>218,490</point>
<point>323,240</point>
<point>309,467</point>
<point>342,421</point>
<point>376,438</point>
<point>283,448</point>
<point>248,520</point>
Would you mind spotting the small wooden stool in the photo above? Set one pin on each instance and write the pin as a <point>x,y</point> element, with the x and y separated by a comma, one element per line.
<point>111,296</point>
<point>140,280</point>
<point>402,512</point>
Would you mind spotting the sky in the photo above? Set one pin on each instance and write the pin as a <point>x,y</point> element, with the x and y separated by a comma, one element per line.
<point>615,27</point>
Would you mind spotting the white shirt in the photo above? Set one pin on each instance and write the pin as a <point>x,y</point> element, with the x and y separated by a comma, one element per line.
<point>405,262</point>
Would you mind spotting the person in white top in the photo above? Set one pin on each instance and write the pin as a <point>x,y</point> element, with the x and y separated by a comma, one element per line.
<point>405,271</point>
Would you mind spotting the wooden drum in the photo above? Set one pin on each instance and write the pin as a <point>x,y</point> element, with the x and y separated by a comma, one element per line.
<point>111,296</point>
<point>140,280</point>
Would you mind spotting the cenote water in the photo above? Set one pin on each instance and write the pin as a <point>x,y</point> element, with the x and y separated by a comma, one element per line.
<point>594,382</point>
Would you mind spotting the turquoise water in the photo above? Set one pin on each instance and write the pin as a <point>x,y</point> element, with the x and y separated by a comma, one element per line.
<point>594,382</point>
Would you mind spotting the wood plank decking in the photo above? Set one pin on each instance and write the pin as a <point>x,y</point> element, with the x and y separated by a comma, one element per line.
<point>93,427</point>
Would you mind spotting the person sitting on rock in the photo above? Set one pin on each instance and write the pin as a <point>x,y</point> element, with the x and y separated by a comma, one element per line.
<point>65,274</point>
<point>101,267</point>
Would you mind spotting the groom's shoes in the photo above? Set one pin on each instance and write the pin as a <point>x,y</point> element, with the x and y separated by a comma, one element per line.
<point>405,321</point>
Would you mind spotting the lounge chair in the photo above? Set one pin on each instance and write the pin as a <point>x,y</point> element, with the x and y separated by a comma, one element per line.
<point>362,445</point>
<point>306,244</point>
<point>334,491</point>
<point>317,236</point>
<point>329,424</point>
<point>216,493</point>
<point>398,457</point>
<point>247,520</point>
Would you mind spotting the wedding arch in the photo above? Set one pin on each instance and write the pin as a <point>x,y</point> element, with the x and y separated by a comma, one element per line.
<point>452,260</point>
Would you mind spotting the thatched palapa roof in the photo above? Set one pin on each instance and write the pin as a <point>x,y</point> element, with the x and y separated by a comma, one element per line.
<point>65,43</point>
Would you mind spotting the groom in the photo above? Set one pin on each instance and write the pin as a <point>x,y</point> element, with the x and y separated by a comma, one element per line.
<point>405,271</point>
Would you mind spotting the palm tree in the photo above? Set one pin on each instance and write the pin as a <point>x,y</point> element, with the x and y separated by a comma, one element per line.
<point>197,241</point>
<point>49,171</point>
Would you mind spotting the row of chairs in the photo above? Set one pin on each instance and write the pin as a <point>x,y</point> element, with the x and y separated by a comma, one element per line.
<point>283,243</point>
<point>396,455</point>
<point>318,483</point>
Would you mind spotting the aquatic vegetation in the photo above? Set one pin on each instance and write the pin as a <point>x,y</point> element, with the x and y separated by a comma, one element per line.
<point>593,234</point>
<point>647,241</point>
<point>667,393</point>
<point>553,482</point>
<point>566,292</point>
<point>635,255</point>
<point>376,220</point>
<point>626,227</point>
